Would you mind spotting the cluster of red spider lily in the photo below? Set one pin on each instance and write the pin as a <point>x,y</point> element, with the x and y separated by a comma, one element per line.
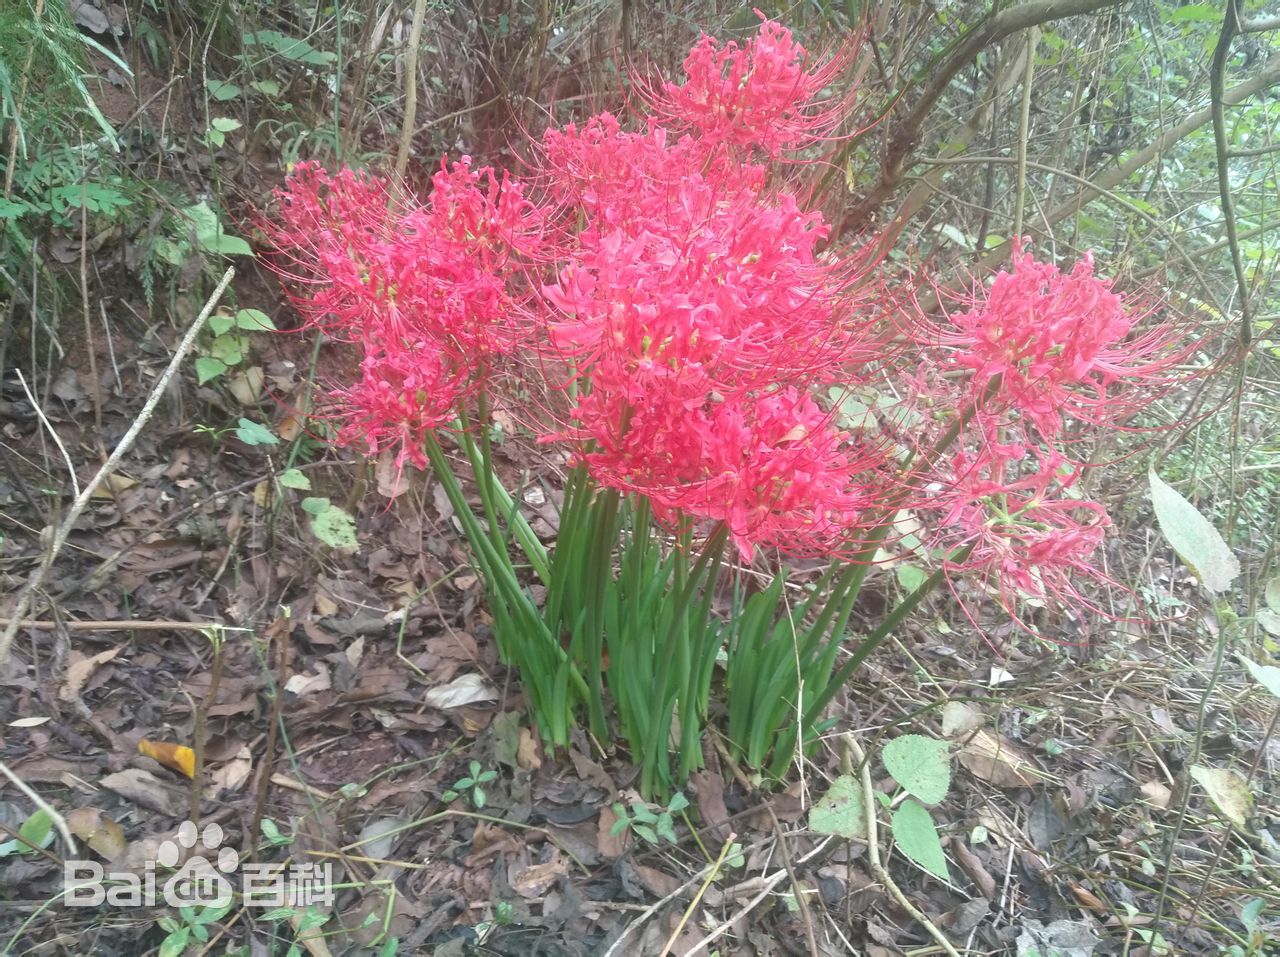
<point>671,278</point>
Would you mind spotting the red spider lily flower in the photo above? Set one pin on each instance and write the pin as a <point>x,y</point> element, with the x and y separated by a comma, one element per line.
<point>772,467</point>
<point>695,310</point>
<point>1028,532</point>
<point>1064,345</point>
<point>762,94</point>
<point>423,290</point>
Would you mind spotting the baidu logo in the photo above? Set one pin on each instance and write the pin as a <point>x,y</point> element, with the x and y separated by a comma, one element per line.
<point>202,880</point>
<point>199,881</point>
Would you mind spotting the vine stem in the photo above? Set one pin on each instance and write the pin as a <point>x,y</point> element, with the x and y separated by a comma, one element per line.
<point>81,502</point>
<point>410,88</point>
<point>873,846</point>
<point>1202,714</point>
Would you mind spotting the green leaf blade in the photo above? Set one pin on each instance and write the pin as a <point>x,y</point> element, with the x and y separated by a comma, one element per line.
<point>921,765</point>
<point>254,433</point>
<point>917,838</point>
<point>1193,537</point>
<point>840,811</point>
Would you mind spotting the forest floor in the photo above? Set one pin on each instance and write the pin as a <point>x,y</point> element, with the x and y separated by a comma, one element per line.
<point>351,711</point>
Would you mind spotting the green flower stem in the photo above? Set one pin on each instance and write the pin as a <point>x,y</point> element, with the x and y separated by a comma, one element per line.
<point>850,584</point>
<point>878,636</point>
<point>495,498</point>
<point>553,681</point>
<point>654,771</point>
<point>599,590</point>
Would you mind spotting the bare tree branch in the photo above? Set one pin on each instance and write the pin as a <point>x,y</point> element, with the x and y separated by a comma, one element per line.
<point>1217,109</point>
<point>1267,77</point>
<point>1260,26</point>
<point>904,135</point>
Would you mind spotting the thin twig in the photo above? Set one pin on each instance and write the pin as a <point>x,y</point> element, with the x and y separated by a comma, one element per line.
<point>1227,832</point>
<point>23,604</point>
<point>1024,131</point>
<point>219,642</point>
<point>71,469</point>
<point>90,347</point>
<point>119,624</point>
<point>802,904</point>
<point>768,885</point>
<point>904,135</point>
<point>693,904</point>
<point>1217,87</point>
<point>42,804</point>
<point>873,851</point>
<point>1197,742</point>
<point>617,949</point>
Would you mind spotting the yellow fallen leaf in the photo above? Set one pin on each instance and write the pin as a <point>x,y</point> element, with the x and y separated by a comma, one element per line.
<point>113,484</point>
<point>246,386</point>
<point>262,494</point>
<point>175,757</point>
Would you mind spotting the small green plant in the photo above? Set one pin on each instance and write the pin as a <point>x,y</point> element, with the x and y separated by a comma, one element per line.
<point>192,928</point>
<point>921,767</point>
<point>298,925</point>
<point>227,344</point>
<point>654,826</point>
<point>1256,938</point>
<point>336,528</point>
<point>474,783</point>
<point>36,833</point>
<point>504,915</point>
<point>254,433</point>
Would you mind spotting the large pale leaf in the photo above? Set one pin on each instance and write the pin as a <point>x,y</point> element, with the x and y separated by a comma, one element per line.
<point>921,765</point>
<point>917,837</point>
<point>1228,791</point>
<point>840,811</point>
<point>1193,537</point>
<point>1266,675</point>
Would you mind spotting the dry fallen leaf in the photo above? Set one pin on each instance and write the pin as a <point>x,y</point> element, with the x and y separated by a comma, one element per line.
<point>527,751</point>
<point>175,757</point>
<point>81,670</point>
<point>534,881</point>
<point>972,865</point>
<point>656,882</point>
<point>997,760</point>
<point>231,774</point>
<point>709,788</point>
<point>464,689</point>
<point>1089,900</point>
<point>309,684</point>
<point>325,607</point>
<point>392,482</point>
<point>609,844</point>
<point>142,788</point>
<point>101,833</point>
<point>112,484</point>
<point>246,386</point>
<point>959,718</point>
<point>354,652</point>
<point>1228,791</point>
<point>310,937</point>
<point>1156,794</point>
<point>289,428</point>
